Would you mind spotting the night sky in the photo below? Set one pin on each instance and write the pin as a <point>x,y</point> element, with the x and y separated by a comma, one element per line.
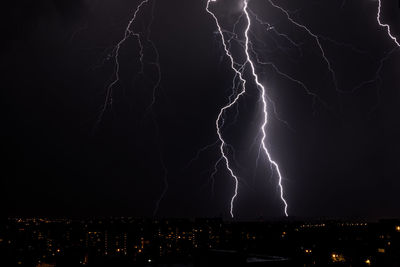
<point>338,156</point>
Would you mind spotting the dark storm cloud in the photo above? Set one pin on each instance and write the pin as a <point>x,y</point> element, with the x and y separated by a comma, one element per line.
<point>70,8</point>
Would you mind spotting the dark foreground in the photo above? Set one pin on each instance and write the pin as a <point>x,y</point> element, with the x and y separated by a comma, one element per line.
<point>44,242</point>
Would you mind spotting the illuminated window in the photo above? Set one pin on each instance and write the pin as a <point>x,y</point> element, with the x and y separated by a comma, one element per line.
<point>337,257</point>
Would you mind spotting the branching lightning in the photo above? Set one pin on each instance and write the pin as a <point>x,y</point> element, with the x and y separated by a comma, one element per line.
<point>128,33</point>
<point>263,97</point>
<point>313,35</point>
<point>116,51</point>
<point>220,119</point>
<point>238,69</point>
<point>243,73</point>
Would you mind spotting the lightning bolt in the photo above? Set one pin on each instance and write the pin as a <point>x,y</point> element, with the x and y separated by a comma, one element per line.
<point>316,38</point>
<point>263,97</point>
<point>377,78</point>
<point>128,33</point>
<point>387,26</point>
<point>116,51</point>
<point>220,119</point>
<point>166,186</point>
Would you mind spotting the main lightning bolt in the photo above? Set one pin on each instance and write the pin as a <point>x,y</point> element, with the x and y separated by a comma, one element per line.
<point>220,119</point>
<point>387,26</point>
<point>263,97</point>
